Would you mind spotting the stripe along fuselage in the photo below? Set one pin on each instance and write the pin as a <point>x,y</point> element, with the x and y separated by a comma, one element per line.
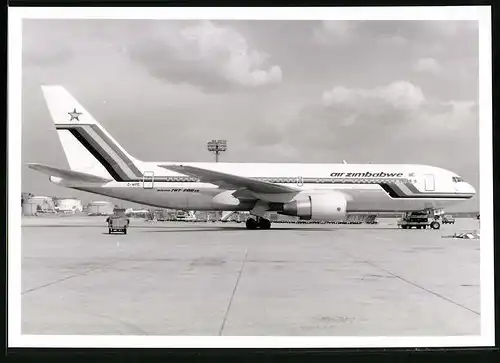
<point>414,187</point>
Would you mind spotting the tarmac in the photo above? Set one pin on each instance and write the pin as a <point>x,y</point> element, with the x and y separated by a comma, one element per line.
<point>179,278</point>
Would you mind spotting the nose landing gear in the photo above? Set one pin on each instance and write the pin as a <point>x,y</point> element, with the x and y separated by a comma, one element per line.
<point>435,224</point>
<point>260,222</point>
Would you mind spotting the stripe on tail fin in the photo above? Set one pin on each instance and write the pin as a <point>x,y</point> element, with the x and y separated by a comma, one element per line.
<point>88,147</point>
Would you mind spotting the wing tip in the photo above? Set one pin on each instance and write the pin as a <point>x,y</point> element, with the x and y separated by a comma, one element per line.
<point>34,165</point>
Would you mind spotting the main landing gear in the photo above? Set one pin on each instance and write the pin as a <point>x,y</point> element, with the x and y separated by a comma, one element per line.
<point>260,222</point>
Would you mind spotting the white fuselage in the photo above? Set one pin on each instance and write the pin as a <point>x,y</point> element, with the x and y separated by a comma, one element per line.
<point>368,187</point>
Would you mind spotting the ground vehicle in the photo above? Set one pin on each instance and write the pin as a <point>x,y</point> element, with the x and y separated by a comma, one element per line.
<point>448,219</point>
<point>419,220</point>
<point>118,222</point>
<point>185,216</point>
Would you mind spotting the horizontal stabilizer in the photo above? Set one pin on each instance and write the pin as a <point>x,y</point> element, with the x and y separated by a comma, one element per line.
<point>68,174</point>
<point>229,180</point>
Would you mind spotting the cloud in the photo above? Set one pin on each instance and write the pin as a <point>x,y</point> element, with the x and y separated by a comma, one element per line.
<point>206,54</point>
<point>36,54</point>
<point>392,40</point>
<point>427,65</point>
<point>448,116</point>
<point>401,106</point>
<point>391,32</point>
<point>400,95</point>
<point>53,50</point>
<point>452,29</point>
<point>334,31</point>
<point>364,122</point>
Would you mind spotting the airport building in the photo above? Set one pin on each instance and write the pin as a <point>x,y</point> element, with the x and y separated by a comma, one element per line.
<point>25,196</point>
<point>68,205</point>
<point>98,208</point>
<point>29,207</point>
<point>38,204</point>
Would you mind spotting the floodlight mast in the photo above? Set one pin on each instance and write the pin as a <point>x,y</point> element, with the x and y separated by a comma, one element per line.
<point>216,147</point>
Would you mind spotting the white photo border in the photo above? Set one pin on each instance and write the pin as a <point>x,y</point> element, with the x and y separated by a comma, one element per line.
<point>480,13</point>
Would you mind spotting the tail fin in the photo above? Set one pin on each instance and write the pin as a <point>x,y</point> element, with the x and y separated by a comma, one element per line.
<point>87,145</point>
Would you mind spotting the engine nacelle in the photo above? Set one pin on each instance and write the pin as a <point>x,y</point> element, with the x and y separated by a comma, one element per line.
<point>327,206</point>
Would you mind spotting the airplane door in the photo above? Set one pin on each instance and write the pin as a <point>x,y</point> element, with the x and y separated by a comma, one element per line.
<point>148,179</point>
<point>429,182</point>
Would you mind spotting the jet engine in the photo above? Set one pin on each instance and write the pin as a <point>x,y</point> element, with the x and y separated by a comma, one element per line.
<point>326,206</point>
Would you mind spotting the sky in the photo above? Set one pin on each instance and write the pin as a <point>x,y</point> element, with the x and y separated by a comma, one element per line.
<point>278,91</point>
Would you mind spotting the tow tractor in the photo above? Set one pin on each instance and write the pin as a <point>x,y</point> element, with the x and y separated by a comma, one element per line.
<point>419,220</point>
<point>118,222</point>
<point>448,219</point>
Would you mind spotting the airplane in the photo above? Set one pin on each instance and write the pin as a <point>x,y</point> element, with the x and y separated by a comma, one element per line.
<point>99,165</point>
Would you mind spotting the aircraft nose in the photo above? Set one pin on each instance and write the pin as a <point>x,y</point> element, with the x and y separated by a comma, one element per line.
<point>466,189</point>
<point>469,189</point>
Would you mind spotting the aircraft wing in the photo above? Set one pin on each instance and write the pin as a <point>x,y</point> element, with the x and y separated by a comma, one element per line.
<point>67,174</point>
<point>229,180</point>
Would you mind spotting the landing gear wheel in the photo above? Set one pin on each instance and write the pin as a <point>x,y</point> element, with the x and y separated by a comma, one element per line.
<point>435,225</point>
<point>264,223</point>
<point>252,223</point>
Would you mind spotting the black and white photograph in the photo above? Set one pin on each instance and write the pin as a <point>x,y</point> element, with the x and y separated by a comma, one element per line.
<point>243,177</point>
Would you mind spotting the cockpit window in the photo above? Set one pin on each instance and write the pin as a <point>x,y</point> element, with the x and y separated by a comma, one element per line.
<point>457,179</point>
